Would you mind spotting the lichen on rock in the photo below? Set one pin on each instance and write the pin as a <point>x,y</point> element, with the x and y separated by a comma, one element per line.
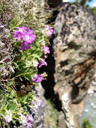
<point>75,57</point>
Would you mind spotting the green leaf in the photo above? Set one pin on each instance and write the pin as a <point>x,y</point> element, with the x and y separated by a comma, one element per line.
<point>28,77</point>
<point>11,106</point>
<point>23,99</point>
<point>10,82</point>
<point>16,22</point>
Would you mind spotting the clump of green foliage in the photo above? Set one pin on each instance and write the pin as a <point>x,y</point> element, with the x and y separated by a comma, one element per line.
<point>23,61</point>
<point>12,106</point>
<point>14,103</point>
<point>86,124</point>
<point>94,10</point>
<point>82,2</point>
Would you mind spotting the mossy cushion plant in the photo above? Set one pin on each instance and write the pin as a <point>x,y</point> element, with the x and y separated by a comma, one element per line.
<point>86,124</point>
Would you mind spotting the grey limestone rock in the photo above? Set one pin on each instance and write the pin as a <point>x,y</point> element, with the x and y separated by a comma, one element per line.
<point>74,48</point>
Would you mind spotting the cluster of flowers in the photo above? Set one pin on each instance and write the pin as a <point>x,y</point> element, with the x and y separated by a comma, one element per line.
<point>25,121</point>
<point>27,35</point>
<point>39,77</point>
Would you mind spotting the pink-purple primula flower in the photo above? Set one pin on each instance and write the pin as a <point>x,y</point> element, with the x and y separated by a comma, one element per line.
<point>21,29</point>
<point>25,46</point>
<point>30,120</point>
<point>46,50</point>
<point>35,79</point>
<point>38,78</point>
<point>17,35</point>
<point>42,63</point>
<point>26,35</point>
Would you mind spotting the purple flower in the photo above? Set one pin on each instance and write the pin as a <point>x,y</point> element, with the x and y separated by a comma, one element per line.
<point>30,32</point>
<point>45,56</point>
<point>38,78</point>
<point>28,125</point>
<point>28,36</point>
<point>49,32</point>
<point>46,50</point>
<point>21,29</point>
<point>25,33</point>
<point>35,79</point>
<point>42,63</point>
<point>30,120</point>
<point>17,35</point>
<point>25,46</point>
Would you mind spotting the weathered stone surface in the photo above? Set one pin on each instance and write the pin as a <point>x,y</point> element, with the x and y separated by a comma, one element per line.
<point>61,121</point>
<point>89,104</point>
<point>38,112</point>
<point>6,52</point>
<point>75,58</point>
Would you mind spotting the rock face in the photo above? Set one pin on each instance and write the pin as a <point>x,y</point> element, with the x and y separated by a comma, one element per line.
<point>39,108</point>
<point>6,52</point>
<point>75,58</point>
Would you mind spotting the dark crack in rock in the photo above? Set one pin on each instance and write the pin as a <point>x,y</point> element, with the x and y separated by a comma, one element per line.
<point>54,3</point>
